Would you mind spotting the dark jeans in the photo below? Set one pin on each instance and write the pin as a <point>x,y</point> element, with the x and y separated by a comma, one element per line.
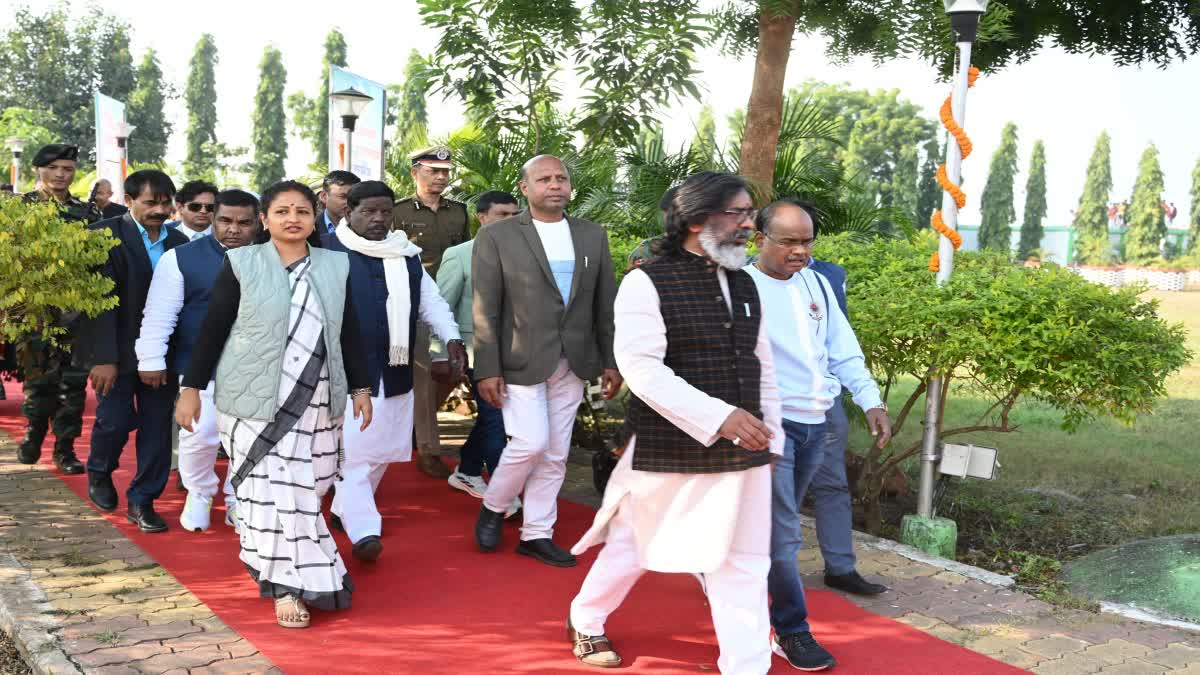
<point>803,453</point>
<point>832,505</point>
<point>130,406</point>
<point>487,439</point>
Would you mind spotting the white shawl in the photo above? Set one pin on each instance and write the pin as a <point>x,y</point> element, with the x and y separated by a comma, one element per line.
<point>394,250</point>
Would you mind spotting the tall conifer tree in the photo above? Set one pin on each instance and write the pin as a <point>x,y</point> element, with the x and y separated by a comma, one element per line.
<point>1194,220</point>
<point>1091,217</point>
<point>1147,225</point>
<point>149,143</point>
<point>996,204</point>
<point>1035,203</point>
<point>200,96</point>
<point>269,134</point>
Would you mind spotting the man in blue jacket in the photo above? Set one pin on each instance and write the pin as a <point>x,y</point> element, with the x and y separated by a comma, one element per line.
<point>175,309</point>
<point>391,291</point>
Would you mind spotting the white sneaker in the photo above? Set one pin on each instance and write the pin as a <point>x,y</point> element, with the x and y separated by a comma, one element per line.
<point>195,516</point>
<point>472,485</point>
<point>231,513</point>
<point>513,508</point>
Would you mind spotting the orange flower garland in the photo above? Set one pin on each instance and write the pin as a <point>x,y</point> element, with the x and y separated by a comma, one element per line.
<point>960,198</point>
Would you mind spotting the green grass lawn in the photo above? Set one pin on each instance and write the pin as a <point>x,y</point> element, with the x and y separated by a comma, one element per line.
<point>1063,495</point>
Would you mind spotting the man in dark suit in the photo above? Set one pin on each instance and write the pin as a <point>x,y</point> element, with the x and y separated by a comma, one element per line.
<point>127,402</point>
<point>543,309</point>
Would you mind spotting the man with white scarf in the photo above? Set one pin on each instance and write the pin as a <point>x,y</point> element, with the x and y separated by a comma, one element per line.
<point>692,490</point>
<point>391,292</point>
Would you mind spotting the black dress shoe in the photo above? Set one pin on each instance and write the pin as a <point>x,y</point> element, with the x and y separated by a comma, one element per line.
<point>853,583</point>
<point>101,491</point>
<point>488,529</point>
<point>145,518</point>
<point>368,548</point>
<point>64,457</point>
<point>30,450</point>
<point>546,551</point>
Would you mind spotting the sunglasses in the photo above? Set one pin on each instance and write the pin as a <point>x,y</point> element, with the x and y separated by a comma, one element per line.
<point>195,207</point>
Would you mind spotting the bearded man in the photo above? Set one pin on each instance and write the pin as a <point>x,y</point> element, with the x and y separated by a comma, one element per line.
<point>692,490</point>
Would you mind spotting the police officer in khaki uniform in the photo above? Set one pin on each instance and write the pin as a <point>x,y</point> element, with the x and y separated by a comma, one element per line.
<point>435,223</point>
<point>55,390</point>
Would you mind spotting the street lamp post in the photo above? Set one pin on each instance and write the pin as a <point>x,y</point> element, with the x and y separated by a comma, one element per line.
<point>938,535</point>
<point>17,145</point>
<point>123,132</point>
<point>349,104</point>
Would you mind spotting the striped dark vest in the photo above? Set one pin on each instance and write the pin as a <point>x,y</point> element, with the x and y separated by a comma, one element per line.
<point>710,350</point>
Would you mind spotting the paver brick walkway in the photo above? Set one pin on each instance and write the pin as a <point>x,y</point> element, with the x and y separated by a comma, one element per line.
<point>103,606</point>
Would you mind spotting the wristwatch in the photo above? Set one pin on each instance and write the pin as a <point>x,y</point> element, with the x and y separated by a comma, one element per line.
<point>882,406</point>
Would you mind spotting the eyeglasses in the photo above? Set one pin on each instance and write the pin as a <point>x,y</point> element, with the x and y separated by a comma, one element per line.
<point>196,207</point>
<point>742,215</point>
<point>790,243</point>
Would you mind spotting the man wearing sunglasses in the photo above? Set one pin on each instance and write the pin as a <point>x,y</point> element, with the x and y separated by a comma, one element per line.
<point>195,204</point>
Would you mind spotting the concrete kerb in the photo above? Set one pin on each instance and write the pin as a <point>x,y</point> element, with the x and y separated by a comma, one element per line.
<point>969,571</point>
<point>24,616</point>
<point>1147,616</point>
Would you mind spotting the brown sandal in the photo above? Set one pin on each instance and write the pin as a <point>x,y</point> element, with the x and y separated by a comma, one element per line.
<point>593,650</point>
<point>296,610</point>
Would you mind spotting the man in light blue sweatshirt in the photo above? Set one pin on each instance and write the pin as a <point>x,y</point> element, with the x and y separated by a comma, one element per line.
<point>816,354</point>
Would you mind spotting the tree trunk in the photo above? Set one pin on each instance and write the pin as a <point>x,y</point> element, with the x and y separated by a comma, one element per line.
<point>764,113</point>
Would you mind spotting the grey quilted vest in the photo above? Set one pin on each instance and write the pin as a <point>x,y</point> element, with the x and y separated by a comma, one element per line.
<point>247,380</point>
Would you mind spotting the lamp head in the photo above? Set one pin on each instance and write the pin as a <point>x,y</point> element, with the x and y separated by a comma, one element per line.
<point>349,103</point>
<point>17,145</point>
<point>964,17</point>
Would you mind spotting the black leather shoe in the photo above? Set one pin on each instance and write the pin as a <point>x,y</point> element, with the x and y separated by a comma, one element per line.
<point>853,583</point>
<point>30,450</point>
<point>547,551</point>
<point>145,518</point>
<point>64,456</point>
<point>101,491</point>
<point>368,548</point>
<point>488,529</point>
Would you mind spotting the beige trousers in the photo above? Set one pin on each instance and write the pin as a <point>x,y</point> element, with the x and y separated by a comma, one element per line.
<point>425,401</point>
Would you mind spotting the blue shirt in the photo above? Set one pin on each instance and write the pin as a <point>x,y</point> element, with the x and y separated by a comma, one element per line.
<point>154,250</point>
<point>330,226</point>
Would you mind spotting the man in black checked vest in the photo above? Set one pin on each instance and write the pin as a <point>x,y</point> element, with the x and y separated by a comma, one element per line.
<point>692,490</point>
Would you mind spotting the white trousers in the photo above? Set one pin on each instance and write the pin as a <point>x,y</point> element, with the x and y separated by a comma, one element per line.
<point>737,595</point>
<point>368,453</point>
<point>538,419</point>
<point>198,452</point>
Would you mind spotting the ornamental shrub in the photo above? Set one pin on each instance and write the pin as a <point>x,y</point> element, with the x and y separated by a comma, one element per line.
<point>1011,332</point>
<point>48,271</point>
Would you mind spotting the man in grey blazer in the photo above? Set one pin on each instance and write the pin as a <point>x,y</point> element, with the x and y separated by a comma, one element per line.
<point>543,310</point>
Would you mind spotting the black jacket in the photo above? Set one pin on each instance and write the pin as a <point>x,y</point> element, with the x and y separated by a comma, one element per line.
<point>109,337</point>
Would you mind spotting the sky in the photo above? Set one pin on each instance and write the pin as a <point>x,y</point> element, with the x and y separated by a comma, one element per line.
<point>1065,100</point>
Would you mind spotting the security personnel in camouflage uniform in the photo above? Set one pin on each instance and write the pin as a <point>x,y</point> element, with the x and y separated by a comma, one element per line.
<point>435,223</point>
<point>55,390</point>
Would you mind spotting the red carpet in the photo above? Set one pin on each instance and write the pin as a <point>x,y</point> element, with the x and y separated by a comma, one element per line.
<point>433,604</point>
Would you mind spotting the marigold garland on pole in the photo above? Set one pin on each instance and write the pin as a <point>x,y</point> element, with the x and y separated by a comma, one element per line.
<point>960,197</point>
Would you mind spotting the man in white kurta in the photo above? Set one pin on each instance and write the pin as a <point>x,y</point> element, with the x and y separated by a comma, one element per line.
<point>718,523</point>
<point>391,292</point>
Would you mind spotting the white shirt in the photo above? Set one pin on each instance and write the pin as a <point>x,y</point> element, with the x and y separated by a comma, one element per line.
<point>682,522</point>
<point>435,311</point>
<point>163,304</point>
<point>815,350</point>
<point>193,235</point>
<point>560,253</point>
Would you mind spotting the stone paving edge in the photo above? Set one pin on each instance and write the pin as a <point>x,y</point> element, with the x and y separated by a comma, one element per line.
<point>1147,616</point>
<point>23,607</point>
<point>969,571</point>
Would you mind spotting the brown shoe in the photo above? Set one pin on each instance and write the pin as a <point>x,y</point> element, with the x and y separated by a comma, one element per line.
<point>593,650</point>
<point>432,465</point>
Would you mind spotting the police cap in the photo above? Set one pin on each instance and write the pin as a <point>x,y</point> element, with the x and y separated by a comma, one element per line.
<point>436,157</point>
